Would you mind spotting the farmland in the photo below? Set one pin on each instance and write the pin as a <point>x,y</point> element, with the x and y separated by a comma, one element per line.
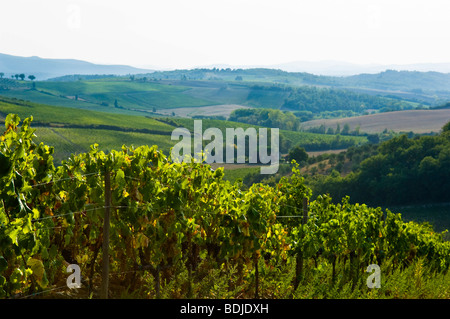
<point>153,94</point>
<point>72,131</point>
<point>417,121</point>
<point>224,159</point>
<point>179,230</point>
<point>223,110</point>
<point>214,217</point>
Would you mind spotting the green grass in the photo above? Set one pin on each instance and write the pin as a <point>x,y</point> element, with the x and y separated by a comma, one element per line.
<point>72,116</point>
<point>242,93</point>
<point>294,137</point>
<point>72,130</point>
<point>130,95</point>
<point>224,93</point>
<point>63,147</point>
<point>67,141</point>
<point>415,281</point>
<point>42,98</point>
<point>121,95</point>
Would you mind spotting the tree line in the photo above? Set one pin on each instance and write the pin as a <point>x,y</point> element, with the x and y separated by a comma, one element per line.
<point>318,100</point>
<point>19,75</point>
<point>402,170</point>
<point>266,118</point>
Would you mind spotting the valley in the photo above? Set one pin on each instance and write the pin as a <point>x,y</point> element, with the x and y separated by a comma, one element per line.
<point>346,136</point>
<point>244,156</point>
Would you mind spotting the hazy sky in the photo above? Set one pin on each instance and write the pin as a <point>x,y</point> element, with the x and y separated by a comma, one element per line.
<point>190,33</point>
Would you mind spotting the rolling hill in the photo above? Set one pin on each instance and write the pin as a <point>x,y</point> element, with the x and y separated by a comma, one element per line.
<point>429,88</point>
<point>417,121</point>
<point>71,131</point>
<point>216,92</point>
<point>419,82</point>
<point>146,95</point>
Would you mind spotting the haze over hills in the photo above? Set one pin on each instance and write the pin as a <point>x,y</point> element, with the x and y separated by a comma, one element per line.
<point>341,68</point>
<point>223,89</point>
<point>43,68</point>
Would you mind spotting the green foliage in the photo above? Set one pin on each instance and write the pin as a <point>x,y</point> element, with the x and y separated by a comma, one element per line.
<point>27,164</point>
<point>399,171</point>
<point>317,100</point>
<point>180,230</point>
<point>267,118</point>
<point>298,154</point>
<point>446,127</point>
<point>288,139</point>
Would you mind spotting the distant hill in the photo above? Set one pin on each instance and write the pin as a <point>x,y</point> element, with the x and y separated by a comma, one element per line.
<point>413,81</point>
<point>151,96</point>
<point>44,69</point>
<point>428,88</point>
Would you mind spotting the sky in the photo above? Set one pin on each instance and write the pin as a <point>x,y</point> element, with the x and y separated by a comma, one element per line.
<point>195,33</point>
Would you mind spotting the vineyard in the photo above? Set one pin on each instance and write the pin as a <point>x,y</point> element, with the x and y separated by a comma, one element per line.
<point>179,230</point>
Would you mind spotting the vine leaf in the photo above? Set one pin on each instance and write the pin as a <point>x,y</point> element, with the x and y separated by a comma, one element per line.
<point>38,269</point>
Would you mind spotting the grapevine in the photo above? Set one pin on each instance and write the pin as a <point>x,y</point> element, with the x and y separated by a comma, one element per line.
<point>167,217</point>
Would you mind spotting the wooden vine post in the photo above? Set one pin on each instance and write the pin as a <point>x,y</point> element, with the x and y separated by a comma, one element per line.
<point>299,257</point>
<point>105,247</point>
<point>305,210</point>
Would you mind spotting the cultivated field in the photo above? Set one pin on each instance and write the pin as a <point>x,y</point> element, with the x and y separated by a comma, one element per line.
<point>70,130</point>
<point>213,110</point>
<point>417,121</point>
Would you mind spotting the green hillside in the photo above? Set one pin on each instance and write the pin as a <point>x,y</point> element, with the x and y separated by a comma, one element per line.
<point>429,88</point>
<point>48,114</point>
<point>118,95</point>
<point>288,139</point>
<point>154,93</point>
<point>70,130</point>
